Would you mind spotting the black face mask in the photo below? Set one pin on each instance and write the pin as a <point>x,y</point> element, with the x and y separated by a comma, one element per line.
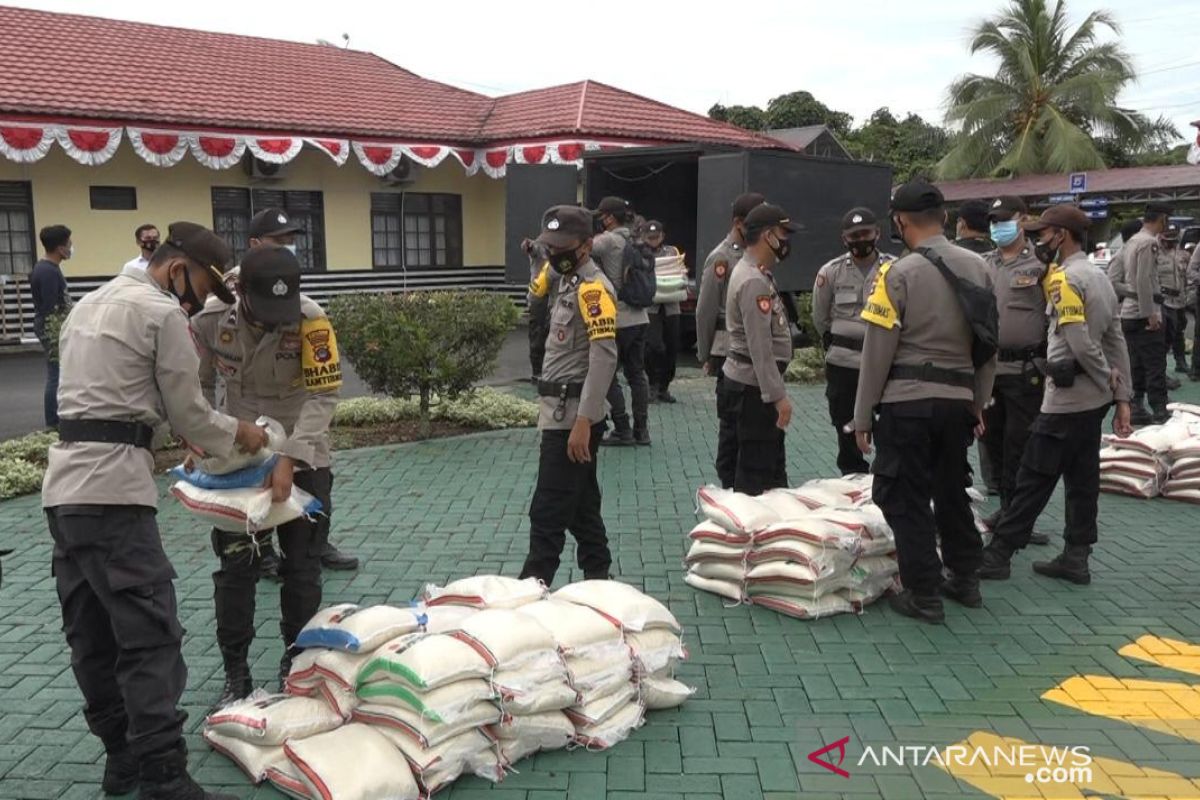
<point>861,249</point>
<point>564,262</point>
<point>150,246</point>
<point>1047,252</point>
<point>188,300</point>
<point>781,248</point>
<point>598,226</point>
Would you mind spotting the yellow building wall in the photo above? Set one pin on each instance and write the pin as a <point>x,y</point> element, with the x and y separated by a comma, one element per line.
<point>104,240</point>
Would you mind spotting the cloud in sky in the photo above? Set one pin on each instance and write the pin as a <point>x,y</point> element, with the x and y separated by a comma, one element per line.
<point>881,53</point>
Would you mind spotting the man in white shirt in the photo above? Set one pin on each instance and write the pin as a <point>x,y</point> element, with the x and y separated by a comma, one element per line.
<point>147,239</point>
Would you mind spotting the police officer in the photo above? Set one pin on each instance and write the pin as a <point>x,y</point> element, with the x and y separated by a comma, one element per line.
<point>837,303</point>
<point>538,309</point>
<point>633,324</point>
<point>1142,318</point>
<point>274,226</point>
<point>1116,265</point>
<point>712,339</point>
<point>1172,277</point>
<point>581,361</point>
<point>1017,391</point>
<point>760,348</point>
<point>1193,285</point>
<point>918,371</point>
<point>1088,367</point>
<point>128,365</point>
<point>277,354</point>
<point>662,346</point>
<point>973,226</point>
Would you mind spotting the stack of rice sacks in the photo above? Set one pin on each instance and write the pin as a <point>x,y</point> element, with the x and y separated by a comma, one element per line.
<point>1155,460</point>
<point>810,552</point>
<point>671,277</point>
<point>399,702</point>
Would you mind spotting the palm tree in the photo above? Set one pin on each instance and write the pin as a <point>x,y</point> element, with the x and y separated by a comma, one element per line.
<point>1050,103</point>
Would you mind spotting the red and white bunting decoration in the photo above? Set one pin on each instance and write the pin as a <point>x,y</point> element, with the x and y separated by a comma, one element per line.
<point>469,160</point>
<point>160,148</point>
<point>217,150</point>
<point>378,159</point>
<point>89,146</point>
<point>25,144</point>
<point>337,149</point>
<point>427,155</point>
<point>274,149</point>
<point>494,162</point>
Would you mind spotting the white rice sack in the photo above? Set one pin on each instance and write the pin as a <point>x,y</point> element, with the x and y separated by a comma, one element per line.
<point>425,661</point>
<point>506,638</point>
<point>866,521</point>
<point>318,665</point>
<point>241,510</point>
<point>445,619</point>
<point>733,511</point>
<point>354,762</point>
<point>712,532</point>
<point>801,608</point>
<point>1186,466</point>
<point>719,571</point>
<point>610,666</point>
<point>727,589</point>
<point>1184,495</point>
<point>655,650</point>
<point>447,703</point>
<point>874,568</point>
<point>287,779</point>
<point>343,701</point>
<point>1182,484</point>
<point>821,559</point>
<point>705,550</point>
<point>1131,485</point>
<point>274,719</point>
<point>602,709</point>
<point>436,766</point>
<point>817,497</point>
<point>358,629</point>
<point>1153,438</point>
<point>792,580</point>
<point>553,696</point>
<point>236,460</point>
<point>542,668</point>
<point>575,628</point>
<point>614,730</point>
<point>784,504</point>
<point>423,731</point>
<point>815,530</point>
<point>659,694</point>
<point>551,730</point>
<point>486,591</point>
<point>250,758</point>
<point>850,487</point>
<point>613,685</point>
<point>864,594</point>
<point>621,603</point>
<point>1185,409</point>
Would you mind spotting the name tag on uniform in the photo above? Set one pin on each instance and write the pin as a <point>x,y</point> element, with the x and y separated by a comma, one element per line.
<point>846,297</point>
<point>1024,281</point>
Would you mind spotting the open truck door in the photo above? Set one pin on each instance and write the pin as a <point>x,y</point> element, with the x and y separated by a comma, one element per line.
<point>529,189</point>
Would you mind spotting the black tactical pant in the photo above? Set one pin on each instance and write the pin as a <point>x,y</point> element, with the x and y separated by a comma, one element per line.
<point>662,347</point>
<point>727,440</point>
<point>841,386</point>
<point>631,353</point>
<point>567,497</point>
<point>235,581</point>
<point>1147,361</point>
<point>121,623</point>
<point>1018,401</point>
<point>921,456</point>
<point>1066,445</point>
<point>1175,324</point>
<point>761,459</point>
<point>539,329</point>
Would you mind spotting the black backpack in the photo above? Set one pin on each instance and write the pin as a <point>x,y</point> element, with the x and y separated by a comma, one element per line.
<point>978,305</point>
<point>638,280</point>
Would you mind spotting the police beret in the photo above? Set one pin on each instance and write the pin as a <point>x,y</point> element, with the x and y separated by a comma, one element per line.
<point>205,248</point>
<point>917,196</point>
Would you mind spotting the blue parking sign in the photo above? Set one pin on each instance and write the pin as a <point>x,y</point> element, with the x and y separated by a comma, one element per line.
<point>1078,181</point>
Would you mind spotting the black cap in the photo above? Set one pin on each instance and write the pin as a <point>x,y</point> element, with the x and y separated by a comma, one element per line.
<point>1006,207</point>
<point>745,203</point>
<point>270,280</point>
<point>857,219</point>
<point>565,226</point>
<point>616,206</point>
<point>1159,208</point>
<point>205,248</point>
<point>1130,229</point>
<point>917,196</point>
<point>1063,215</point>
<point>766,215</point>
<point>975,214</point>
<point>651,227</point>
<point>273,222</point>
<point>1171,233</point>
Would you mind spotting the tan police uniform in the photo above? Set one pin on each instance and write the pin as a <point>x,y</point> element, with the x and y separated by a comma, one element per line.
<point>1172,278</point>
<point>1147,348</point>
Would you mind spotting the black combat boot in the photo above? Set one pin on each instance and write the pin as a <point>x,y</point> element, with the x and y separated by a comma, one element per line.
<point>926,608</point>
<point>997,561</point>
<point>1070,565</point>
<point>238,683</point>
<point>120,768</point>
<point>621,435</point>
<point>1138,415</point>
<point>1160,415</point>
<point>665,396</point>
<point>963,589</point>
<point>165,777</point>
<point>334,559</point>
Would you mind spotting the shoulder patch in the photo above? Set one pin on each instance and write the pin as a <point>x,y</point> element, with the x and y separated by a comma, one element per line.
<point>820,279</point>
<point>320,361</point>
<point>721,269</point>
<point>598,310</point>
<point>764,303</point>
<point>1068,305</point>
<point>879,309</point>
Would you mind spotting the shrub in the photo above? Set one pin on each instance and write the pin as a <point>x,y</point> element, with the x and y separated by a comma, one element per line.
<point>422,344</point>
<point>484,409</point>
<point>808,366</point>
<point>366,412</point>
<point>804,321</point>
<point>18,477</point>
<point>54,323</point>
<point>31,448</point>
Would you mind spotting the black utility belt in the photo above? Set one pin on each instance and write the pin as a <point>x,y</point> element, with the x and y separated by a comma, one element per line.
<point>106,431</point>
<point>741,359</point>
<point>931,374</point>
<point>720,326</point>
<point>1022,353</point>
<point>1171,292</point>
<point>561,391</point>
<point>848,342</point>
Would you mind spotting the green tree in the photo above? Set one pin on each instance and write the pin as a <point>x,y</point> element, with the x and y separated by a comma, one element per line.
<point>1054,93</point>
<point>799,109</point>
<point>752,118</point>
<point>912,145</point>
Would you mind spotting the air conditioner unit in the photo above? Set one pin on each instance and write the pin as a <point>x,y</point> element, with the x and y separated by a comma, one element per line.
<point>259,170</point>
<point>405,173</point>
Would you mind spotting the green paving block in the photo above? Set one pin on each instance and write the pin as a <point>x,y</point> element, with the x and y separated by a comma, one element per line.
<point>544,795</point>
<point>587,786</point>
<point>897,787</point>
<point>740,787</point>
<point>777,774</point>
<point>719,766</point>
<point>626,774</point>
<point>697,742</point>
<point>663,757</point>
<point>731,727</point>
<point>689,784</point>
<point>762,713</point>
